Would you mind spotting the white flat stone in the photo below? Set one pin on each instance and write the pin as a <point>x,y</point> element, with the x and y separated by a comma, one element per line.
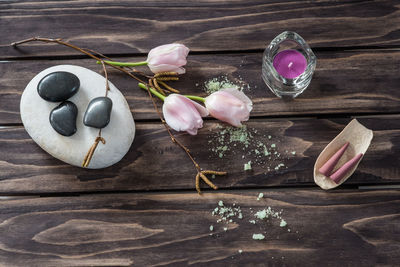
<point>119,133</point>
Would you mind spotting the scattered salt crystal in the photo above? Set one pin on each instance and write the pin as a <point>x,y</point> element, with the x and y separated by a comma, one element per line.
<point>221,203</point>
<point>262,214</point>
<point>283,223</point>
<point>247,166</point>
<point>225,229</point>
<point>252,221</point>
<point>279,166</point>
<point>240,251</point>
<point>211,228</point>
<point>258,236</point>
<point>260,196</point>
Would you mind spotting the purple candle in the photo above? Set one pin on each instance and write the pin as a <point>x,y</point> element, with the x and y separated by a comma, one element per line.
<point>290,63</point>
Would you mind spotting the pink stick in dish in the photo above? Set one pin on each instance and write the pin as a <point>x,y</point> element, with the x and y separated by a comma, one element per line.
<point>327,168</point>
<point>342,171</point>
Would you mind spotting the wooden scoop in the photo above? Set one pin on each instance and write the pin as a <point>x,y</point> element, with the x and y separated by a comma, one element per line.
<point>359,138</point>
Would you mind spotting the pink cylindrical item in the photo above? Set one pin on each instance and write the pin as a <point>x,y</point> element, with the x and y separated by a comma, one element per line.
<point>328,167</point>
<point>342,171</point>
<point>290,63</point>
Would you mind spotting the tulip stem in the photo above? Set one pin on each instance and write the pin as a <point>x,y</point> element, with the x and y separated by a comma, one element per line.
<point>124,64</point>
<point>154,92</point>
<point>197,98</point>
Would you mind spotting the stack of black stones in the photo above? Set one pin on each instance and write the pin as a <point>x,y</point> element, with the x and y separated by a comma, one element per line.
<point>60,86</point>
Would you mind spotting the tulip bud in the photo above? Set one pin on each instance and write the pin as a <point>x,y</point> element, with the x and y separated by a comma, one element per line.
<point>183,114</point>
<point>229,105</point>
<point>168,58</point>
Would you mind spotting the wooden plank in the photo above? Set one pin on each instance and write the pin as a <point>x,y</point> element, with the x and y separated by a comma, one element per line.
<point>342,228</point>
<point>116,27</point>
<point>354,82</point>
<point>155,163</point>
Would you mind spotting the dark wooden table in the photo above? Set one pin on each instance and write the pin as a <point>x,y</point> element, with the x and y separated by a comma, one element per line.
<point>144,210</point>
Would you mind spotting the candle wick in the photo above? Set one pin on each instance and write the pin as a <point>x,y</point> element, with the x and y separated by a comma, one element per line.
<point>290,64</point>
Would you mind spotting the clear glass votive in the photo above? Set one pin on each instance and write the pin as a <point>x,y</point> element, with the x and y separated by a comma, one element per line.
<point>288,65</point>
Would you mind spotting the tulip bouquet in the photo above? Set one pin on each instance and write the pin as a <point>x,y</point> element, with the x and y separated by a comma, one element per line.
<point>179,112</point>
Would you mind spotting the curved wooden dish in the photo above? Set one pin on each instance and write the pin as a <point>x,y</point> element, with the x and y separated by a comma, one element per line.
<point>359,138</point>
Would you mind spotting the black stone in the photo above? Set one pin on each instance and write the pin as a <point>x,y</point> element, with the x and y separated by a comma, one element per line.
<point>58,86</point>
<point>98,112</point>
<point>63,118</point>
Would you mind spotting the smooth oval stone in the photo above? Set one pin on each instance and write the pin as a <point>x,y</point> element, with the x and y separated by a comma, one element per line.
<point>98,112</point>
<point>58,86</point>
<point>63,118</point>
<point>119,133</point>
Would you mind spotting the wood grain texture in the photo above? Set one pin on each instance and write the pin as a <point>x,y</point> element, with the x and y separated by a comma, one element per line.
<point>342,228</point>
<point>116,27</point>
<point>155,163</point>
<point>345,82</point>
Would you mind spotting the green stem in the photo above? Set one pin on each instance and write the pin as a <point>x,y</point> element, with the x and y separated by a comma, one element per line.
<point>124,64</point>
<point>197,98</point>
<point>154,92</point>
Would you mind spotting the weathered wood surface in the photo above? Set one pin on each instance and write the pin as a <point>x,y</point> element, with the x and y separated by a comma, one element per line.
<point>350,228</point>
<point>155,163</point>
<point>353,82</point>
<point>137,26</point>
<point>341,227</point>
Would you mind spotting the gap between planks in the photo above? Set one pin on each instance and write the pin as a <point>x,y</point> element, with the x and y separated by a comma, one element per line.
<point>219,52</point>
<point>343,188</point>
<point>271,117</point>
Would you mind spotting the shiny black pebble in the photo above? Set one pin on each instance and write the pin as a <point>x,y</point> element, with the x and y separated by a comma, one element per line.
<point>58,86</point>
<point>63,118</point>
<point>98,112</point>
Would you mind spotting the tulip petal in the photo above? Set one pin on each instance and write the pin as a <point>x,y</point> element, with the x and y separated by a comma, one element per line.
<point>202,110</point>
<point>192,131</point>
<point>171,118</point>
<point>173,59</point>
<point>240,95</point>
<point>166,67</point>
<point>162,49</point>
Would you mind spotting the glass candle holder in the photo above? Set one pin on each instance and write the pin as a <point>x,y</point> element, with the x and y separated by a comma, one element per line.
<point>288,65</point>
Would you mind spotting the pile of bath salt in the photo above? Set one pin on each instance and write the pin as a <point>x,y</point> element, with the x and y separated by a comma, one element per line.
<point>222,82</point>
<point>253,148</point>
<point>227,214</point>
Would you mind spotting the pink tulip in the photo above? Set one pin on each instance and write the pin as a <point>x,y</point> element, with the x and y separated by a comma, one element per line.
<point>169,57</point>
<point>229,105</point>
<point>183,114</point>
